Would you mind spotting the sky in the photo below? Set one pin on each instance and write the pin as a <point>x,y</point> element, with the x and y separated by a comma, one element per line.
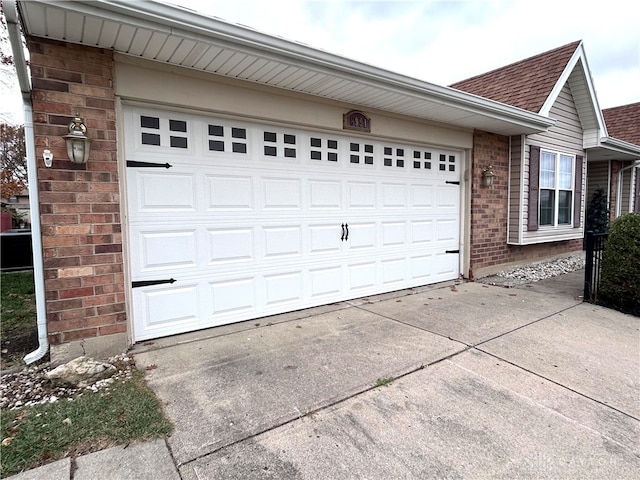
<point>444,41</point>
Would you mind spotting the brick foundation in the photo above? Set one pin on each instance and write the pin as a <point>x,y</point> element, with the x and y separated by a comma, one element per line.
<point>80,204</point>
<point>490,252</point>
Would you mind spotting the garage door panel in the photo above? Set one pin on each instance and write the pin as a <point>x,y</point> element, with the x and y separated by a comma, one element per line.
<point>325,195</point>
<point>446,265</point>
<point>231,245</point>
<point>362,236</point>
<point>324,238</point>
<point>233,296</point>
<point>282,241</point>
<point>325,282</point>
<point>393,234</point>
<point>361,276</point>
<point>282,193</point>
<point>393,271</point>
<point>448,196</point>
<point>165,310</point>
<point>422,196</point>
<point>252,220</point>
<point>361,195</point>
<point>422,232</point>
<point>283,288</point>
<point>226,192</point>
<point>421,267</point>
<point>394,195</point>
<point>447,230</point>
<point>152,191</point>
<point>158,250</point>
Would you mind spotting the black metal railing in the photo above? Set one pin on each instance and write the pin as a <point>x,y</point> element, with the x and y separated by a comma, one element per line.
<point>594,246</point>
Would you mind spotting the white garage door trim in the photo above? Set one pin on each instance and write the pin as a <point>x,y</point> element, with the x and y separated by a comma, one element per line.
<point>230,220</point>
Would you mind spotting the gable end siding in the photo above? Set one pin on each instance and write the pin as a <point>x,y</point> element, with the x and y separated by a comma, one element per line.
<point>564,137</point>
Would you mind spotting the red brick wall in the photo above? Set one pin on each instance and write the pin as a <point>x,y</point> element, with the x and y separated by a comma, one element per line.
<point>80,204</point>
<point>489,204</point>
<point>489,249</point>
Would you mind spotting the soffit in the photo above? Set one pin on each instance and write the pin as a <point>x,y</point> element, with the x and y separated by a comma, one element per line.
<point>177,36</point>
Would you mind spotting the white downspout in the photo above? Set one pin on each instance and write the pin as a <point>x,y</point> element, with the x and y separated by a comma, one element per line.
<point>15,38</point>
<point>619,189</point>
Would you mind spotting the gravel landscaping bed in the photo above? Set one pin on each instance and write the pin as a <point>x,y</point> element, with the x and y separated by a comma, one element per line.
<point>30,386</point>
<point>535,272</point>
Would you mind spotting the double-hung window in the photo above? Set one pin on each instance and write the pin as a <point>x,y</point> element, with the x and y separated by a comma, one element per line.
<point>556,188</point>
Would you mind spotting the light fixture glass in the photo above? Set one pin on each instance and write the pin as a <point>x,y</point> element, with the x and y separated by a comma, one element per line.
<point>78,144</point>
<point>488,176</point>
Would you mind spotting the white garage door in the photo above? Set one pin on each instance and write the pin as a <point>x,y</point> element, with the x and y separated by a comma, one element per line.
<point>230,220</point>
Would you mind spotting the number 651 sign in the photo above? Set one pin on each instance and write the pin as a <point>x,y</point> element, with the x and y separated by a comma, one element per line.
<point>355,120</point>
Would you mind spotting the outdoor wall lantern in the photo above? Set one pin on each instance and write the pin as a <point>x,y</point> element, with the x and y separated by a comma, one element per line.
<point>488,176</point>
<point>47,156</point>
<point>78,143</point>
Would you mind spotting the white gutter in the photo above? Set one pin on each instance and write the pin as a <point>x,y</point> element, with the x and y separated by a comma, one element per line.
<point>619,192</point>
<point>620,146</point>
<point>15,38</point>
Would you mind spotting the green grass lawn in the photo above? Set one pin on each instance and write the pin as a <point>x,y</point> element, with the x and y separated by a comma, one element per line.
<point>18,330</point>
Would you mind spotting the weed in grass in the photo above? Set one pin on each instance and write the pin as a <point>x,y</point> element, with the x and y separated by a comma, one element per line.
<point>124,412</point>
<point>382,382</point>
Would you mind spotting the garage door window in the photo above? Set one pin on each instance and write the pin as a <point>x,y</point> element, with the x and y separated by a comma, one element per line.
<point>321,149</point>
<point>227,139</point>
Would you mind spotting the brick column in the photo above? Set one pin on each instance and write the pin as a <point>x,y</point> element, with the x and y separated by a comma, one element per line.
<point>489,204</point>
<point>80,204</point>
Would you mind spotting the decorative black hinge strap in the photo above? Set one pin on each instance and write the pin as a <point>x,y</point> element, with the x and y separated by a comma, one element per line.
<point>148,283</point>
<point>132,163</point>
<point>452,251</point>
<point>451,182</point>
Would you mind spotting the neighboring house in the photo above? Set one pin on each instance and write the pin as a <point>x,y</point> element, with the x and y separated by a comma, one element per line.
<point>619,175</point>
<point>19,204</point>
<point>547,169</point>
<point>235,175</point>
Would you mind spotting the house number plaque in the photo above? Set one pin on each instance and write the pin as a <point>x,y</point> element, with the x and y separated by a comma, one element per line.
<point>355,120</point>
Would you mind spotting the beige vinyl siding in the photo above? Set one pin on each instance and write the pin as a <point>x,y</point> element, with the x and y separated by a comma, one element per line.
<point>597,176</point>
<point>515,188</point>
<point>564,137</point>
<point>636,194</point>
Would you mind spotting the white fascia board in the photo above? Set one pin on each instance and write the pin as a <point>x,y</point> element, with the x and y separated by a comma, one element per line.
<point>579,54</point>
<point>186,23</point>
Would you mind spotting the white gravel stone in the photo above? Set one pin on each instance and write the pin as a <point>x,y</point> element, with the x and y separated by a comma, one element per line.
<point>541,270</point>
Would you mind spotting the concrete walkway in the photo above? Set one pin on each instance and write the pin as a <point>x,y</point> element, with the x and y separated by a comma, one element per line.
<point>447,381</point>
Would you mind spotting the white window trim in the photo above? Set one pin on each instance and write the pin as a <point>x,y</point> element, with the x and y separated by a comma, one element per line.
<point>557,189</point>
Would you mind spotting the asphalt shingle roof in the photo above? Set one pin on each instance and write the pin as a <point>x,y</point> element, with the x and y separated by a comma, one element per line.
<point>525,84</point>
<point>623,122</point>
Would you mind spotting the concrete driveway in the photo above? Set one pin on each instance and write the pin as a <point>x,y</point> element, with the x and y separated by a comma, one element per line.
<point>448,381</point>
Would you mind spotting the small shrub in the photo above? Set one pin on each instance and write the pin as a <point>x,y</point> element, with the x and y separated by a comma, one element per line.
<point>620,280</point>
<point>598,212</point>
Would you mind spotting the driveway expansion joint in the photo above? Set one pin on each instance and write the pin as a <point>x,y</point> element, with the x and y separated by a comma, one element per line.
<point>583,395</point>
